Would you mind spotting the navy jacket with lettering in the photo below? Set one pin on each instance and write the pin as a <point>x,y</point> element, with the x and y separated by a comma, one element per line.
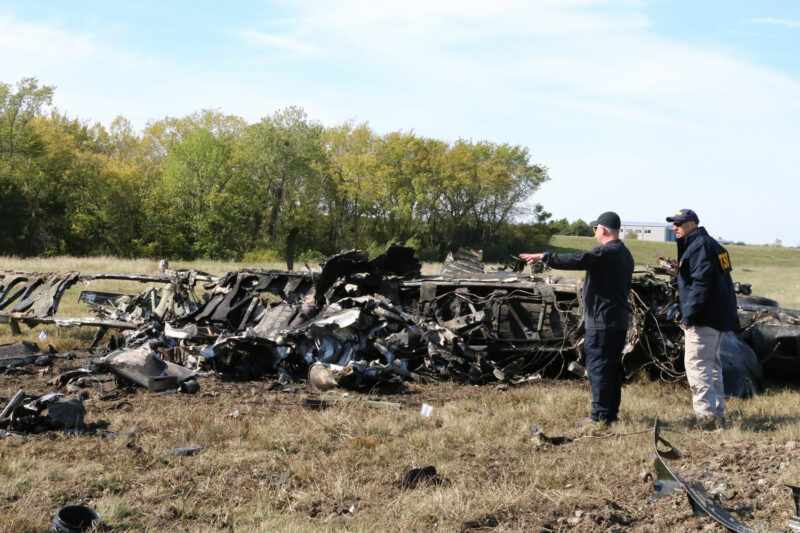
<point>705,287</point>
<point>609,269</point>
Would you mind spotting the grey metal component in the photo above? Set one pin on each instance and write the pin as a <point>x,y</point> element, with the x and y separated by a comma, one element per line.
<point>340,318</point>
<point>742,374</point>
<point>775,337</point>
<point>143,366</point>
<point>187,332</point>
<point>668,479</point>
<point>41,296</point>
<point>11,287</point>
<point>47,304</point>
<point>23,299</point>
<point>12,404</point>
<point>101,298</point>
<point>39,403</point>
<point>34,298</point>
<point>275,319</point>
<point>75,322</point>
<point>186,451</point>
<point>18,353</point>
<point>577,369</point>
<point>66,414</point>
<point>24,412</point>
<point>19,360</point>
<point>463,263</point>
<point>70,375</point>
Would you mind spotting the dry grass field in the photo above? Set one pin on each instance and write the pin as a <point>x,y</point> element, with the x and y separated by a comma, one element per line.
<point>270,463</point>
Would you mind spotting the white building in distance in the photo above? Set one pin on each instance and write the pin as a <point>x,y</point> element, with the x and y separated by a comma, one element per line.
<point>648,231</point>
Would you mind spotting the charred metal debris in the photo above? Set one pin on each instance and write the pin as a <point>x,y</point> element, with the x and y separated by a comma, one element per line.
<point>668,480</point>
<point>34,414</point>
<point>702,503</point>
<point>360,323</point>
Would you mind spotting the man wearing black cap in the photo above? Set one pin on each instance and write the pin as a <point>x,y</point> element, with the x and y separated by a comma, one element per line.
<point>708,309</point>
<point>609,268</point>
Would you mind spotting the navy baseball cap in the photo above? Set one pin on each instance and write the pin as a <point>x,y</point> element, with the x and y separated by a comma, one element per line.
<point>684,215</point>
<point>608,219</point>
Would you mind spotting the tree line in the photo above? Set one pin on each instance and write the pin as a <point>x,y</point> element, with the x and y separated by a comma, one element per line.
<point>213,185</point>
<point>578,227</point>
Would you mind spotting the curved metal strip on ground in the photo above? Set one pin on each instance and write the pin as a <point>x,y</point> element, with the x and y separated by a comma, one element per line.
<point>702,503</point>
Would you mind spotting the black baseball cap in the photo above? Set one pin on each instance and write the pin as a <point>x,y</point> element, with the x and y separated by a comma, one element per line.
<point>608,219</point>
<point>684,215</point>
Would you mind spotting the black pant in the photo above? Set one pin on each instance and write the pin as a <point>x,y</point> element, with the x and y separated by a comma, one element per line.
<point>602,349</point>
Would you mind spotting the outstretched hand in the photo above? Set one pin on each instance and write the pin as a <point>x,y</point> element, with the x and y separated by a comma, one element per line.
<point>531,258</point>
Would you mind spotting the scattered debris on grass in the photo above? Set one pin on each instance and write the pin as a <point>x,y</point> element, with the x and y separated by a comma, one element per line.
<point>186,451</point>
<point>75,519</point>
<point>361,324</point>
<point>703,502</point>
<point>426,475</point>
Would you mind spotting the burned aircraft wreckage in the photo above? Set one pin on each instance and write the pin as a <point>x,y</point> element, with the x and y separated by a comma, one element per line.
<point>361,323</point>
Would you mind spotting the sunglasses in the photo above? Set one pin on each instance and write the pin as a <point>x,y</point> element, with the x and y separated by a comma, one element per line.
<point>678,224</point>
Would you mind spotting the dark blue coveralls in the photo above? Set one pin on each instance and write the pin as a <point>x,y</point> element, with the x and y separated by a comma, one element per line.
<point>609,269</point>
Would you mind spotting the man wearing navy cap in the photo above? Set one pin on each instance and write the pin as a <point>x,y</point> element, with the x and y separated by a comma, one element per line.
<point>609,268</point>
<point>708,309</point>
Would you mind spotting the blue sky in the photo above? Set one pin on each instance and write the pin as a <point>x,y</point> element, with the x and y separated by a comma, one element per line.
<point>642,107</point>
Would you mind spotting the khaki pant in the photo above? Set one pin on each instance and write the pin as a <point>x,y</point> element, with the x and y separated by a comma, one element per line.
<point>704,370</point>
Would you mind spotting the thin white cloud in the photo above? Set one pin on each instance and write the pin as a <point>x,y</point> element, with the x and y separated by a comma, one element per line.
<point>775,21</point>
<point>385,25</point>
<point>42,42</point>
<point>282,42</point>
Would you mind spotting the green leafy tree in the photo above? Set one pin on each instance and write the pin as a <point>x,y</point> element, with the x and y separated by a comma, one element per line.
<point>210,185</point>
<point>19,105</point>
<point>475,190</point>
<point>560,226</point>
<point>403,188</point>
<point>282,158</point>
<point>347,196</point>
<point>580,228</point>
<point>14,212</point>
<point>197,171</point>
